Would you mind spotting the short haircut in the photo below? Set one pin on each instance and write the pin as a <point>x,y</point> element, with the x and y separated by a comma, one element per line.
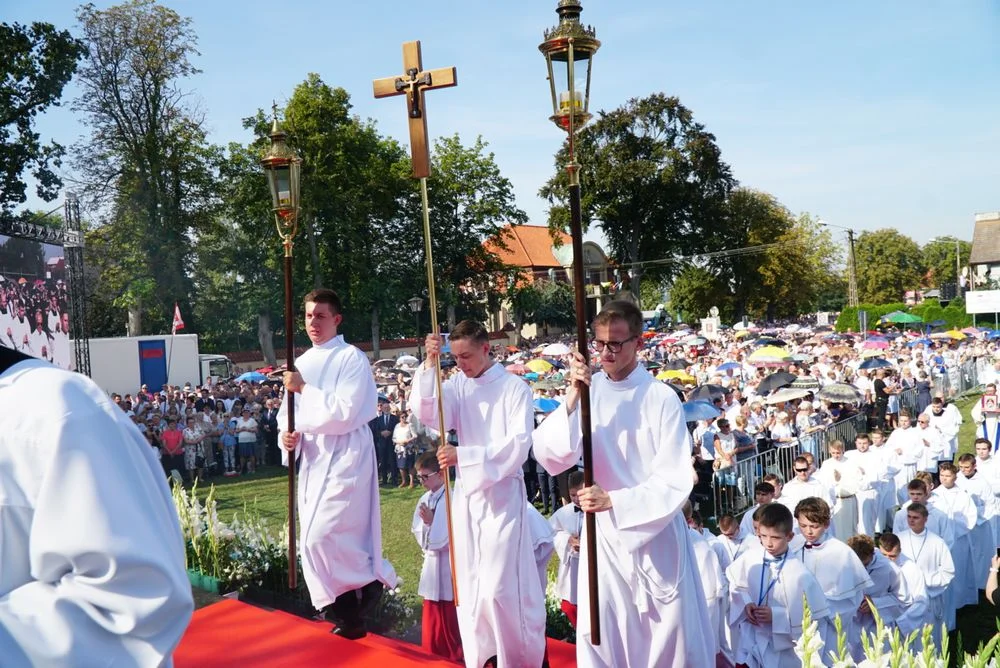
<point>927,478</point>
<point>469,330</point>
<point>760,509</point>
<point>918,508</point>
<point>947,466</point>
<point>727,521</point>
<point>836,444</point>
<point>917,485</point>
<point>696,518</point>
<point>984,441</point>
<point>967,458</point>
<point>774,479</point>
<point>905,413</point>
<point>937,401</point>
<point>875,431</point>
<point>575,479</point>
<point>620,309</point>
<point>325,296</point>
<point>888,542</point>
<point>863,437</point>
<point>863,546</point>
<point>428,461</point>
<point>776,516</point>
<point>763,488</point>
<point>801,459</point>
<point>813,509</point>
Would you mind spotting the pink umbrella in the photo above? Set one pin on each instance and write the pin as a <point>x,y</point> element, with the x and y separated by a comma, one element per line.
<point>518,369</point>
<point>881,345</point>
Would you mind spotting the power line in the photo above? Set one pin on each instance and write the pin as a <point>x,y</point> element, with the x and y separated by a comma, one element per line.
<point>729,252</point>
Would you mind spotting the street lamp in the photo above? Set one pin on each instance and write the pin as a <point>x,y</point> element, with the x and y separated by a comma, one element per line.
<point>282,166</point>
<point>416,304</point>
<point>567,45</point>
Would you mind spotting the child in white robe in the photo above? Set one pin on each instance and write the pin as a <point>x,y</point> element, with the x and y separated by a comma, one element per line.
<point>937,521</point>
<point>961,513</point>
<point>713,582</point>
<point>874,476</point>
<point>766,595</point>
<point>845,479</point>
<point>886,593</point>
<point>979,489</point>
<point>913,592</point>
<point>933,557</point>
<point>567,522</point>
<point>763,493</point>
<point>837,569</point>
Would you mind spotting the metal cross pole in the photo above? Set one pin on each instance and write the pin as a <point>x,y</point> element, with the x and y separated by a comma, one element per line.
<point>413,84</point>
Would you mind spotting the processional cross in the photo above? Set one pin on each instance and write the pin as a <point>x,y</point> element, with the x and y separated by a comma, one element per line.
<point>414,83</point>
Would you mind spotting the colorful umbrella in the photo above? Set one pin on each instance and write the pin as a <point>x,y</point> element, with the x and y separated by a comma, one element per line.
<point>770,356</point>
<point>518,369</point>
<point>787,394</point>
<point>700,410</point>
<point>539,366</point>
<point>556,349</point>
<point>676,374</point>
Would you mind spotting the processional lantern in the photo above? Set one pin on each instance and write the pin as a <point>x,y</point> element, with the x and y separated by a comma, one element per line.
<point>569,50</point>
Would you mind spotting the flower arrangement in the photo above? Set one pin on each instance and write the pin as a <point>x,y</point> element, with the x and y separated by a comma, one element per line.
<point>887,648</point>
<point>556,623</point>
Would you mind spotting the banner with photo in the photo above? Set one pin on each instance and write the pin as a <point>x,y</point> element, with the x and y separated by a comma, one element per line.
<point>34,303</point>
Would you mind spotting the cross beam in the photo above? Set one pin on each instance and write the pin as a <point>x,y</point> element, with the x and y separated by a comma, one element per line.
<point>414,83</point>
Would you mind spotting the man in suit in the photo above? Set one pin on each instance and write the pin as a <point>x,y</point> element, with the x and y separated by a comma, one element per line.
<point>382,427</point>
<point>269,423</point>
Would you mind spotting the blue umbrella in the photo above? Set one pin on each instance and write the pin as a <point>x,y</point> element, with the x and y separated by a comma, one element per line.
<point>554,362</point>
<point>530,376</point>
<point>546,405</point>
<point>926,342</point>
<point>875,363</point>
<point>700,410</point>
<point>728,365</point>
<point>251,377</point>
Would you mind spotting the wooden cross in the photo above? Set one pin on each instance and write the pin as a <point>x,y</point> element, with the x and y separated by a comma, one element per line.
<point>413,84</point>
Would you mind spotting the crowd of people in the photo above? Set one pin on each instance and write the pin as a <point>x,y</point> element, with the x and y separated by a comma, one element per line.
<point>34,319</point>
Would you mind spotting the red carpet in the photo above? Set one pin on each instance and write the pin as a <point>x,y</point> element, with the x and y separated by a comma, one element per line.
<point>231,633</point>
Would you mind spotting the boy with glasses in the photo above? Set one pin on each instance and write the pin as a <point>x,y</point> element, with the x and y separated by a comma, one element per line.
<point>439,628</point>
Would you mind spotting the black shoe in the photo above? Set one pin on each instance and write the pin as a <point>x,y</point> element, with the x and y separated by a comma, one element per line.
<point>350,632</point>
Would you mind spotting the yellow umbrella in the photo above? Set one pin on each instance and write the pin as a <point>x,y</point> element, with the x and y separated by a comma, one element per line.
<point>955,334</point>
<point>539,366</point>
<point>676,374</point>
<point>770,354</point>
<point>740,334</point>
<point>872,352</point>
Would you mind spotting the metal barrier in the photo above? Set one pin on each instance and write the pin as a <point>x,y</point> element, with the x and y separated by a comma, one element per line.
<point>908,400</point>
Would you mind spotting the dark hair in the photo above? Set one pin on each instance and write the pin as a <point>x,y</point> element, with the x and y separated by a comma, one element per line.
<point>763,488</point>
<point>623,310</point>
<point>916,484</point>
<point>775,516</point>
<point>325,296</point>
<point>726,521</point>
<point>967,458</point>
<point>864,437</point>
<point>863,546</point>
<point>428,460</point>
<point>575,479</point>
<point>917,508</point>
<point>813,509</point>
<point>469,330</point>
<point>947,466</point>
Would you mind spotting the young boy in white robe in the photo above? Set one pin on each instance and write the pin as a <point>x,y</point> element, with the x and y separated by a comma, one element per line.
<point>567,522</point>
<point>913,592</point>
<point>845,479</point>
<point>837,569</point>
<point>501,604</point>
<point>978,488</point>
<point>905,446</point>
<point>873,479</point>
<point>986,466</point>
<point>713,582</point>
<point>888,497</point>
<point>439,626</point>
<point>933,557</point>
<point>960,509</point>
<point>886,593</point>
<point>766,595</point>
<point>937,521</point>
<point>763,494</point>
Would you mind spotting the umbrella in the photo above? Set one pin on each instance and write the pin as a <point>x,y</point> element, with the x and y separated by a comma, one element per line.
<point>556,364</point>
<point>251,377</point>
<point>407,360</point>
<point>875,363</point>
<point>676,364</point>
<point>385,363</point>
<point>545,405</point>
<point>872,352</point>
<point>805,383</point>
<point>448,363</point>
<point>676,388</point>
<point>769,341</point>
<point>513,349</point>
<point>700,410</point>
<point>775,381</point>
<point>518,369</point>
<point>970,330</point>
<point>531,375</point>
<point>695,341</point>
<point>839,351</point>
<point>787,394</point>
<point>770,356</point>
<point>539,366</point>
<point>648,334</point>
<point>793,327</point>
<point>707,392</point>
<point>876,343</point>
<point>546,384</point>
<point>802,357</point>
<point>729,365</point>
<point>405,372</point>
<point>676,374</point>
<point>556,349</point>
<point>841,393</point>
<point>653,366</point>
<point>925,341</point>
<point>955,334</point>
<point>741,333</point>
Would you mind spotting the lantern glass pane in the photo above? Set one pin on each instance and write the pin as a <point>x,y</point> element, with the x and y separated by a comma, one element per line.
<point>281,186</point>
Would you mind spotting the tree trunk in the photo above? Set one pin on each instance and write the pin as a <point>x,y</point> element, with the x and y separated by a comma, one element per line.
<point>134,324</point>
<point>310,231</point>
<point>518,324</point>
<point>265,337</point>
<point>376,335</point>
<point>452,319</point>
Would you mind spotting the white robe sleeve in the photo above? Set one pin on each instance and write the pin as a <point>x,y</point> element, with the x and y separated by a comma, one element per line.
<point>482,465</point>
<point>343,406</point>
<point>106,557</point>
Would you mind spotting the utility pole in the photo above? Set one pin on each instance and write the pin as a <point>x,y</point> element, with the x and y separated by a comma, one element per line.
<point>852,288</point>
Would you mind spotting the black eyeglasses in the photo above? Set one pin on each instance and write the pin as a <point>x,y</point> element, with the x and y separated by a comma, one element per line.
<point>425,476</point>
<point>613,346</point>
<point>801,470</point>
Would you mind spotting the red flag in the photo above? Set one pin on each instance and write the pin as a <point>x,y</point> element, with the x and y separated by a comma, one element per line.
<point>178,321</point>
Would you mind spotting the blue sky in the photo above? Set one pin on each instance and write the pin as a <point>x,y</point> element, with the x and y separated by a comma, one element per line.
<point>866,114</point>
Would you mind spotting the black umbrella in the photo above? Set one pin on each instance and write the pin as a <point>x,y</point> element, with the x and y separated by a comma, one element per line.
<point>653,366</point>
<point>775,381</point>
<point>707,393</point>
<point>769,341</point>
<point>841,393</point>
<point>677,365</point>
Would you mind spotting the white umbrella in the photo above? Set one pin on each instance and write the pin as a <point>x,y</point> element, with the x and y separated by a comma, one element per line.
<point>786,394</point>
<point>556,349</point>
<point>407,360</point>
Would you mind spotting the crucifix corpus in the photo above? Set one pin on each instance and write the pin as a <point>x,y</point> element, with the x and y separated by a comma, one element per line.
<point>413,84</point>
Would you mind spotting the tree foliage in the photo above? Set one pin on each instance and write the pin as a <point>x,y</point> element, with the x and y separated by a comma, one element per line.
<point>653,180</point>
<point>888,264</point>
<point>150,170</point>
<point>938,258</point>
<point>36,62</point>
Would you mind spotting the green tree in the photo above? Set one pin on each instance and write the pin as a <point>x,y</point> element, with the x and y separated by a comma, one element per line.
<point>653,180</point>
<point>149,167</point>
<point>524,299</point>
<point>888,264</point>
<point>36,62</point>
<point>697,289</point>
<point>939,260</point>
<point>557,306</point>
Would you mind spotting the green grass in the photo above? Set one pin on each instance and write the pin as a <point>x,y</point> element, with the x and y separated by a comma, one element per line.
<point>267,492</point>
